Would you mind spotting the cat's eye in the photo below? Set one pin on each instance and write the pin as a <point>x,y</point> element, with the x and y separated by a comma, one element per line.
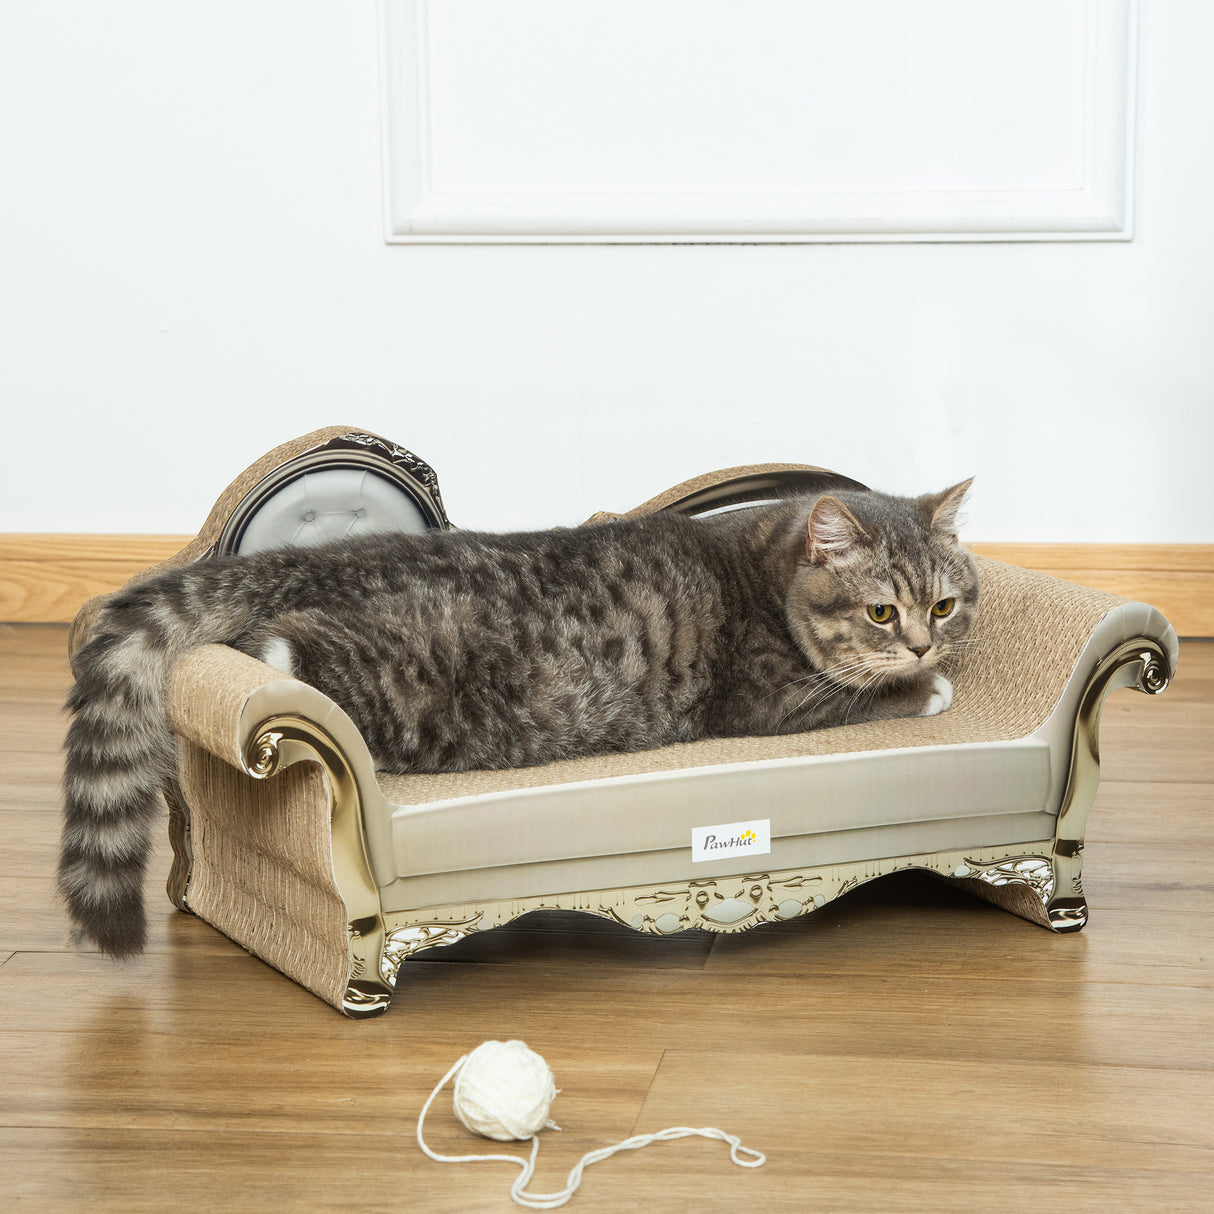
<point>943,607</point>
<point>880,613</point>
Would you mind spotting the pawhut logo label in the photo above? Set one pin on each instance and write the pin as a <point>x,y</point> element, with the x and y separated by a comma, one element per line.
<point>731,839</point>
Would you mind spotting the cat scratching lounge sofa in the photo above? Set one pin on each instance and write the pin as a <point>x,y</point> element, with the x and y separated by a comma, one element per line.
<point>288,841</point>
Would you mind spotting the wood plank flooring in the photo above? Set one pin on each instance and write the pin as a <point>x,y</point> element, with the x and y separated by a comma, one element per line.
<point>905,1049</point>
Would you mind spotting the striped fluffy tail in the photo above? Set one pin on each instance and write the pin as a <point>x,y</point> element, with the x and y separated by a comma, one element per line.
<point>120,751</point>
<point>118,758</point>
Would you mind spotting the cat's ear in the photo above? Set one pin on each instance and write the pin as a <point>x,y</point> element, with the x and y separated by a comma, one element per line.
<point>834,532</point>
<point>942,508</point>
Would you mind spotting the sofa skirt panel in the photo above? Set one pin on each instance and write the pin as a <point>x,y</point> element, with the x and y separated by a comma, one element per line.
<point>635,829</point>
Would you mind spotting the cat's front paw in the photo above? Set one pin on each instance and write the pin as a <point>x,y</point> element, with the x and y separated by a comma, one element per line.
<point>939,696</point>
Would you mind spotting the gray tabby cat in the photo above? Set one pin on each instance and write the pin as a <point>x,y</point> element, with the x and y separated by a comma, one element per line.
<point>456,650</point>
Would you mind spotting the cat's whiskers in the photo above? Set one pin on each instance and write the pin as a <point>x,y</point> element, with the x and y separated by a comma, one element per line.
<point>837,674</point>
<point>831,682</point>
<point>859,693</point>
<point>813,700</point>
<point>814,697</point>
<point>841,671</point>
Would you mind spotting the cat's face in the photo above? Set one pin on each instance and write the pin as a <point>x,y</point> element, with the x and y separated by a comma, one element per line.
<point>883,590</point>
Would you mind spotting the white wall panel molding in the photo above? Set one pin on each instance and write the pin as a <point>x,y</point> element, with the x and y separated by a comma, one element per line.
<point>776,120</point>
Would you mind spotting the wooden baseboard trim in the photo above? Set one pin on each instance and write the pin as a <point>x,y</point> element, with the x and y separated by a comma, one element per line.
<point>1176,578</point>
<point>45,578</point>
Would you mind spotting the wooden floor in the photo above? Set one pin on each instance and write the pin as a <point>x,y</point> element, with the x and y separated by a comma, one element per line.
<point>906,1049</point>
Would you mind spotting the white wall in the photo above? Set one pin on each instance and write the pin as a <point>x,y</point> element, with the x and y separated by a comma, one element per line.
<point>193,268</point>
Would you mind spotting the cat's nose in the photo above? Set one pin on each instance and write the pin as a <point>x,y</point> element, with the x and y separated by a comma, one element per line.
<point>919,650</point>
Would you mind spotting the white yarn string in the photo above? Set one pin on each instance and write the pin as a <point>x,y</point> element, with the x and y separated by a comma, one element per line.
<point>550,1201</point>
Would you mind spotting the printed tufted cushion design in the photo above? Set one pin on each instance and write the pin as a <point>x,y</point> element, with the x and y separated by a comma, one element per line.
<point>330,504</point>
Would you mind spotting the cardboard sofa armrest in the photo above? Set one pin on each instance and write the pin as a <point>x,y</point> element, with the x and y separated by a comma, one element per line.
<point>226,702</point>
<point>214,691</point>
<point>281,817</point>
<point>259,721</point>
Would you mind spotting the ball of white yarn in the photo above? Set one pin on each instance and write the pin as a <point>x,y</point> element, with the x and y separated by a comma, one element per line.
<point>504,1091</point>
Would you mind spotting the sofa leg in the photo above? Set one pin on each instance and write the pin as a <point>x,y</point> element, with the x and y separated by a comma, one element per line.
<point>1067,907</point>
<point>179,837</point>
<point>1141,664</point>
<point>370,985</point>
